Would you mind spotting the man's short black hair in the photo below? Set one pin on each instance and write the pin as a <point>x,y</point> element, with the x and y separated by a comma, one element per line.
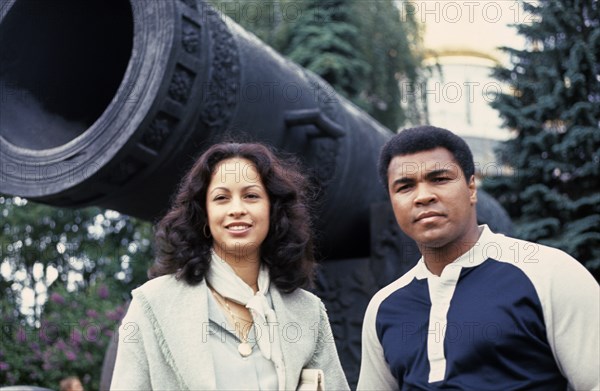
<point>425,138</point>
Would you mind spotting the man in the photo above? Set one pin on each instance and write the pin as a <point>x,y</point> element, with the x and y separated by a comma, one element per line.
<point>479,311</point>
<point>71,383</point>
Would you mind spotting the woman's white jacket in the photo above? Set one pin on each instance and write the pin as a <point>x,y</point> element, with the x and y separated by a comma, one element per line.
<point>163,339</point>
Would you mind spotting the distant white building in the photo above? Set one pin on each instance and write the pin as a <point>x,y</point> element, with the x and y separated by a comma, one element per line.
<point>458,95</point>
<point>462,40</point>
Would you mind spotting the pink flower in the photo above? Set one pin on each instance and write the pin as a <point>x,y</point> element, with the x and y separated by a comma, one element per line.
<point>57,298</point>
<point>70,355</point>
<point>113,315</point>
<point>4,366</point>
<point>60,344</point>
<point>49,332</point>
<point>21,335</point>
<point>92,314</point>
<point>92,333</point>
<point>103,292</point>
<point>120,311</point>
<point>76,336</point>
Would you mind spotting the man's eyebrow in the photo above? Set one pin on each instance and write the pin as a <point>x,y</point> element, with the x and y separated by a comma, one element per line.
<point>402,180</point>
<point>438,172</point>
<point>429,175</point>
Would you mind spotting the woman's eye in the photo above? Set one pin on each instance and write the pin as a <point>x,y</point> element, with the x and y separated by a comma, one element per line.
<point>252,196</point>
<point>219,198</point>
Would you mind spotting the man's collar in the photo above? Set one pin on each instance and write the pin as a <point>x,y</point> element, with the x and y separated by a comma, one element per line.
<point>475,256</point>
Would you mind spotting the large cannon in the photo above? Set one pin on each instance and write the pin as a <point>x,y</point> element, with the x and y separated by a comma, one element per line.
<point>108,102</point>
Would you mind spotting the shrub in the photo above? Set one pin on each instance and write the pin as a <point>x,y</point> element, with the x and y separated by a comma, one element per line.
<point>71,339</point>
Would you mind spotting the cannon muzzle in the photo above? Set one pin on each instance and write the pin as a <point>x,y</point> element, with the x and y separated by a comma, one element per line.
<point>108,103</point>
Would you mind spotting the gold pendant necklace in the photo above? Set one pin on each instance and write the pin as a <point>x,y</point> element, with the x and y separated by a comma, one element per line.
<point>244,348</point>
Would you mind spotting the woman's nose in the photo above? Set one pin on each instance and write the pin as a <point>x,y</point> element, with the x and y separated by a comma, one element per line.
<point>237,208</point>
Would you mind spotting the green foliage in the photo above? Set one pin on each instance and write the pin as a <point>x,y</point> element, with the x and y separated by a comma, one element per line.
<point>554,110</point>
<point>364,49</point>
<point>266,19</point>
<point>391,45</point>
<point>71,339</point>
<point>324,41</point>
<point>64,276</point>
<point>42,246</point>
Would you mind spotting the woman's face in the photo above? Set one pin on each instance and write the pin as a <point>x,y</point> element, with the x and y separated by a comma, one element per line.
<point>237,205</point>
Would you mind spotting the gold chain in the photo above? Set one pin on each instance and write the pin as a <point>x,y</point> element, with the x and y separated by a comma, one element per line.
<point>244,348</point>
<point>224,302</point>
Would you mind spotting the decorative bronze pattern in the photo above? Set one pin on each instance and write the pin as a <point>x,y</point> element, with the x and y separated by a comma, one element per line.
<point>181,84</point>
<point>326,150</point>
<point>219,106</point>
<point>190,39</point>
<point>346,296</point>
<point>163,125</point>
<point>392,252</point>
<point>158,131</point>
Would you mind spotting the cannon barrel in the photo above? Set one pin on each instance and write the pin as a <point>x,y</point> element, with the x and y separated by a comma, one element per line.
<point>107,103</point>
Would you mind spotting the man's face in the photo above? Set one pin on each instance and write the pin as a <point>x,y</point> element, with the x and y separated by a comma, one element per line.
<point>432,202</point>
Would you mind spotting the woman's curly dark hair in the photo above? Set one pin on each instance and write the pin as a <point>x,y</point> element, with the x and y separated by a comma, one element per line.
<point>183,249</point>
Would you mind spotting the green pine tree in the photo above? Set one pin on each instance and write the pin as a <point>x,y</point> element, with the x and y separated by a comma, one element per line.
<point>554,110</point>
<point>391,45</point>
<point>364,49</point>
<point>325,40</point>
<point>266,19</point>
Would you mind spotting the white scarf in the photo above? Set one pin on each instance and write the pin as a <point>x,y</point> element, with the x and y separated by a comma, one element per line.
<point>222,278</point>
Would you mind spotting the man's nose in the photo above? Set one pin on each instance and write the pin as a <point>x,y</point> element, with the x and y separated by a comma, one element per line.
<point>424,194</point>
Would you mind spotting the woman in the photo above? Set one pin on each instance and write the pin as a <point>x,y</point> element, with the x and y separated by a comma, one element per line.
<point>224,308</point>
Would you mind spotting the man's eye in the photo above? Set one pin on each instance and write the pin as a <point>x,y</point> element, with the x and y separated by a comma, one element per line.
<point>403,188</point>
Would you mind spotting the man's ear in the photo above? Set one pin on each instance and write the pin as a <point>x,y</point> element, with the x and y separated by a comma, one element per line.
<point>472,190</point>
